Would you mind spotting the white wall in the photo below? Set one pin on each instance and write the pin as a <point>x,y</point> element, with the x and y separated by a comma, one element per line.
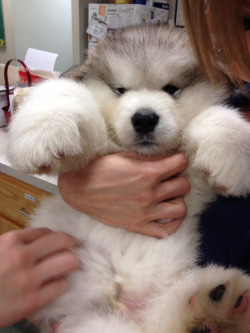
<point>41,24</point>
<point>7,52</point>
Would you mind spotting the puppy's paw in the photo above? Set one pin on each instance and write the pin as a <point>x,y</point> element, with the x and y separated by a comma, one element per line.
<point>221,303</point>
<point>45,149</point>
<point>52,130</point>
<point>218,142</point>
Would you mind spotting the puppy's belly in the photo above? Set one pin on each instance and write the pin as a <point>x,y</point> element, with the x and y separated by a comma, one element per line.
<point>120,269</point>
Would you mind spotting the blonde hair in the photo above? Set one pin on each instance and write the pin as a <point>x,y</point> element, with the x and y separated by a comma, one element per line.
<point>217,34</point>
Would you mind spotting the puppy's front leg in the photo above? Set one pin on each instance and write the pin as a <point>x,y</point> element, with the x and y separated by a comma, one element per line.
<point>218,142</point>
<point>59,127</point>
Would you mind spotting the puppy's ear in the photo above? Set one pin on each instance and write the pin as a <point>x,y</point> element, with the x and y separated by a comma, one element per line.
<point>75,73</point>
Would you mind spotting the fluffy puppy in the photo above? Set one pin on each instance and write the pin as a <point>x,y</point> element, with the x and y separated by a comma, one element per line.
<point>140,90</point>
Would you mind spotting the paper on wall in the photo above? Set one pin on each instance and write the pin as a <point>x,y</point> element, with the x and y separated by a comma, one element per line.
<point>114,16</point>
<point>97,28</point>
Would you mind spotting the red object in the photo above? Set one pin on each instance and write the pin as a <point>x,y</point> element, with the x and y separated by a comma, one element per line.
<point>35,78</point>
<point>6,108</point>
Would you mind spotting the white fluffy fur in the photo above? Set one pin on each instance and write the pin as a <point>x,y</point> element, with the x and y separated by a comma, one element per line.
<point>130,282</point>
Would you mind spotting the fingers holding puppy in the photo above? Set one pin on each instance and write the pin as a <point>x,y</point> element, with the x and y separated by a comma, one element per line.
<point>128,191</point>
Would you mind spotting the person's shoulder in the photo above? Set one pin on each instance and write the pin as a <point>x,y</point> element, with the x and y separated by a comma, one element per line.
<point>227,209</point>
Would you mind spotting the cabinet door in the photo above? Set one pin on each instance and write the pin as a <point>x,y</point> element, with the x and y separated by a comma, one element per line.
<point>7,225</point>
<point>18,199</point>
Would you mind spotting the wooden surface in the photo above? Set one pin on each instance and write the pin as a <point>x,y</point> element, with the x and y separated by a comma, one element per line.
<point>17,202</point>
<point>7,225</point>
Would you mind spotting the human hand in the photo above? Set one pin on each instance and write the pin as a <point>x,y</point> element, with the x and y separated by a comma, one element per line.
<point>127,190</point>
<point>33,268</point>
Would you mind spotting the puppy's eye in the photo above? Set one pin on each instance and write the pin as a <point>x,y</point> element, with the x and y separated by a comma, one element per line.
<point>120,91</point>
<point>170,89</point>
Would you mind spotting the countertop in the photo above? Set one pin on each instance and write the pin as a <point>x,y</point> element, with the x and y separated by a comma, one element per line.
<point>46,183</point>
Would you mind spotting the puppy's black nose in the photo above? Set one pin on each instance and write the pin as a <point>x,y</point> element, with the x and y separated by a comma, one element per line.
<point>144,121</point>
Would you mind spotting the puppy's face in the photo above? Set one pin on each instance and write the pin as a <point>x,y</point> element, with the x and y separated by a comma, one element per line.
<point>146,121</point>
<point>138,75</point>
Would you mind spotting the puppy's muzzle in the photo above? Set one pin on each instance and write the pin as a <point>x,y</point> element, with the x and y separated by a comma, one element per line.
<point>144,121</point>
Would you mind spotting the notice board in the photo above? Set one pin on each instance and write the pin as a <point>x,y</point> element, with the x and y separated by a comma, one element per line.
<point>2,35</point>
